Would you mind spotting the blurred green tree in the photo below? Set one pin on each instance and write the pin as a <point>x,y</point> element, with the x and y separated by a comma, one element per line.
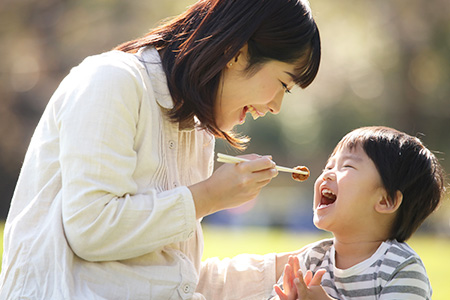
<point>384,63</point>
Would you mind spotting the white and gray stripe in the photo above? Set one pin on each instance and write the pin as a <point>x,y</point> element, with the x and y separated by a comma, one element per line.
<point>394,271</point>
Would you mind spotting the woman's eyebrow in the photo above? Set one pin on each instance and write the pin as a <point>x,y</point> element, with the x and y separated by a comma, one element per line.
<point>290,74</point>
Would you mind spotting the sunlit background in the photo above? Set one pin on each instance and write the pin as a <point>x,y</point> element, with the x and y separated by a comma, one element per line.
<point>384,62</point>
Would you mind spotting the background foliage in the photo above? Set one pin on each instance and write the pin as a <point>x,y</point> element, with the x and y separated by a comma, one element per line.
<point>384,62</point>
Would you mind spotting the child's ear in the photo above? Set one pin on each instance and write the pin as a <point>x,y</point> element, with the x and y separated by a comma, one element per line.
<point>389,206</point>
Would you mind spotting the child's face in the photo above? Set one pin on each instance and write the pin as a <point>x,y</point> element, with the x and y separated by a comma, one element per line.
<point>346,192</point>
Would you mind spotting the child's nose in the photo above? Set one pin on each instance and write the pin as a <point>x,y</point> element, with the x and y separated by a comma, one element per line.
<point>328,175</point>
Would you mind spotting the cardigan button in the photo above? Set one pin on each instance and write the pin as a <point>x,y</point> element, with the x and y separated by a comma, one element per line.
<point>171,144</point>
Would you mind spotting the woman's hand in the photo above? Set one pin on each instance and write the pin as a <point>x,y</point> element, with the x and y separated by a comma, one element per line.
<point>233,184</point>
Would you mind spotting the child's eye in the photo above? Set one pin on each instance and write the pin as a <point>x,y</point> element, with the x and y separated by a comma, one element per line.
<point>286,90</point>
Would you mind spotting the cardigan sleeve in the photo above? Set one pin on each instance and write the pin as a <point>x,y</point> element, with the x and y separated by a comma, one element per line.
<point>244,277</point>
<point>104,216</point>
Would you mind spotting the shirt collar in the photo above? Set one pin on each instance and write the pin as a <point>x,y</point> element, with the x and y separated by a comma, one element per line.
<point>152,61</point>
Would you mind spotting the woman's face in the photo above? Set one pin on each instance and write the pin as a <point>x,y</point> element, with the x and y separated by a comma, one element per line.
<point>260,92</point>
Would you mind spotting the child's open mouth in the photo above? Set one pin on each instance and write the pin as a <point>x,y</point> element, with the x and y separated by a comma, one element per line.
<point>328,198</point>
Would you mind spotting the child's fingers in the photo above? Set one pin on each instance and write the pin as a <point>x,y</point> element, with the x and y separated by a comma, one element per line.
<point>296,264</point>
<point>308,277</point>
<point>288,278</point>
<point>280,292</point>
<point>317,279</point>
<point>301,286</point>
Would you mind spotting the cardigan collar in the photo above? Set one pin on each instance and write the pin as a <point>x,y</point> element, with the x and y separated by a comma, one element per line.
<point>149,56</point>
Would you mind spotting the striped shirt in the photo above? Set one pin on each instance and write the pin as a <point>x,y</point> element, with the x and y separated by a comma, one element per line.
<point>394,271</point>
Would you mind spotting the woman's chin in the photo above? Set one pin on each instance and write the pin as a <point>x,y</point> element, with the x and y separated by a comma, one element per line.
<point>228,126</point>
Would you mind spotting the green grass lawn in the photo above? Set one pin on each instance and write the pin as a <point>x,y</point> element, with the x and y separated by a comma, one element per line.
<point>226,242</point>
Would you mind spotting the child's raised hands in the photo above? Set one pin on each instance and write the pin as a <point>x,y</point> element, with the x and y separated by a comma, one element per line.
<point>297,286</point>
<point>290,291</point>
<point>308,287</point>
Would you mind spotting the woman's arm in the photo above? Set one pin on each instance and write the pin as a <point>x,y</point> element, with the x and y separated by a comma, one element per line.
<point>105,216</point>
<point>245,276</point>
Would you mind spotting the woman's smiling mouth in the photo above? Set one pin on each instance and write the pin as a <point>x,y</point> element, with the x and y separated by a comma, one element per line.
<point>255,113</point>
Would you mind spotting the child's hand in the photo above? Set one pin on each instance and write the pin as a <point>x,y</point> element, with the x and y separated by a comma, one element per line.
<point>290,291</point>
<point>297,286</point>
<point>308,287</point>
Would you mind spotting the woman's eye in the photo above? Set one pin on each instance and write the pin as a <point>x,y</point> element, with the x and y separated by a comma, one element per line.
<point>286,90</point>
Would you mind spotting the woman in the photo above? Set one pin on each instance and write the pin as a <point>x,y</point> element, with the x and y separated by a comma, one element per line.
<point>119,172</point>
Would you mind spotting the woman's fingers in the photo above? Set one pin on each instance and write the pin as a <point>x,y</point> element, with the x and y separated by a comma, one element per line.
<point>232,185</point>
<point>255,173</point>
<point>256,164</point>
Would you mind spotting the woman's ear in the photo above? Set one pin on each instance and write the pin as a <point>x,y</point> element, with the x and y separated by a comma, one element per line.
<point>388,206</point>
<point>240,58</point>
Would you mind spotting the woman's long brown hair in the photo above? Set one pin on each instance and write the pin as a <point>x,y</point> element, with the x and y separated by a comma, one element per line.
<point>197,45</point>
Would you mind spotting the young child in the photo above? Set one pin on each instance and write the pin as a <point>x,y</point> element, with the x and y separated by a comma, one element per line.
<point>378,186</point>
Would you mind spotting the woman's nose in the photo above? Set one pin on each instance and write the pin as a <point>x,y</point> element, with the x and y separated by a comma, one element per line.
<point>275,105</point>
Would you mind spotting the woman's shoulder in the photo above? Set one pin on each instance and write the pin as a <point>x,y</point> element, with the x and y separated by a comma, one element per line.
<point>112,70</point>
<point>109,64</point>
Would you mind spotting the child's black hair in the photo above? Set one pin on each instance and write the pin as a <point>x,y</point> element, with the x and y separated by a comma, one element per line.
<point>404,165</point>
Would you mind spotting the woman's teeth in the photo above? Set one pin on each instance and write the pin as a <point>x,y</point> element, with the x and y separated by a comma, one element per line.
<point>254,113</point>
